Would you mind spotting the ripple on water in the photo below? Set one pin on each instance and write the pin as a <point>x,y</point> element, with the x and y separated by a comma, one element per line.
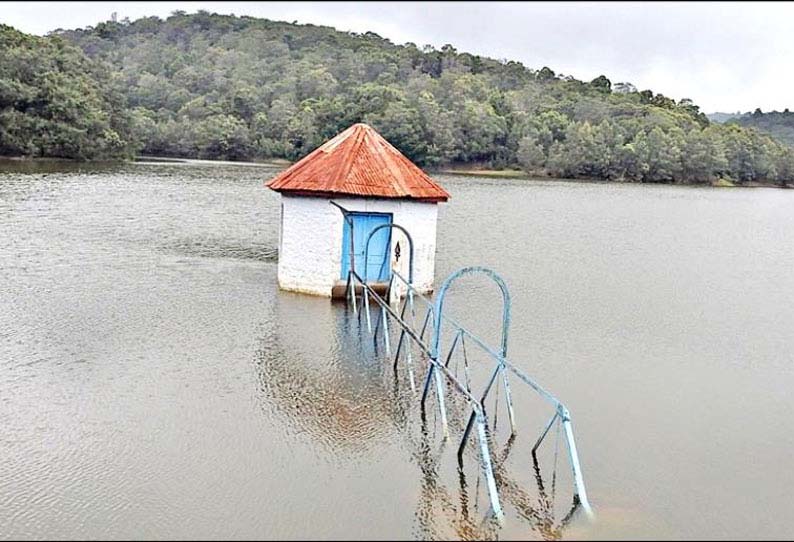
<point>223,248</point>
<point>155,384</point>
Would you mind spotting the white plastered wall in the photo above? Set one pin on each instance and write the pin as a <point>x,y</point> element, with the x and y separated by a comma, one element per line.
<point>310,251</point>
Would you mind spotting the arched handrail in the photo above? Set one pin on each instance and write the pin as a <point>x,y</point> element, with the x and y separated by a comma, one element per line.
<point>410,249</point>
<point>439,373</point>
<point>437,313</point>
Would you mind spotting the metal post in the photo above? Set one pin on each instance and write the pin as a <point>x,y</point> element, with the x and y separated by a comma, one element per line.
<point>386,331</point>
<point>427,320</point>
<point>411,378</point>
<point>466,433</point>
<point>441,407</point>
<point>413,323</point>
<point>452,348</point>
<point>509,400</point>
<point>545,432</point>
<point>353,295</point>
<point>581,492</point>
<point>400,340</point>
<point>366,310</point>
<point>488,467</point>
<point>431,371</point>
<point>426,388</point>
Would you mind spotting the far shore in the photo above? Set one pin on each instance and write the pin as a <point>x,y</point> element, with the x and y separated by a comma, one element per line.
<point>485,172</point>
<point>520,174</point>
<point>476,171</point>
<point>279,162</point>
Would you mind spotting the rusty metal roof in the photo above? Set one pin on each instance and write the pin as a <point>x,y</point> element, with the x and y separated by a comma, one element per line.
<point>358,162</point>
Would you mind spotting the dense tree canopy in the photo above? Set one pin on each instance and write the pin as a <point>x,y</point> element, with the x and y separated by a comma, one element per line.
<point>217,86</point>
<point>778,124</point>
<point>54,101</point>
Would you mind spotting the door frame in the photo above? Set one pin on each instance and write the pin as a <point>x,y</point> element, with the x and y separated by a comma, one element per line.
<point>347,217</point>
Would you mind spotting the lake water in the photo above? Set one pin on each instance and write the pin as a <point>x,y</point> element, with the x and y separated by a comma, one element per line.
<point>155,383</point>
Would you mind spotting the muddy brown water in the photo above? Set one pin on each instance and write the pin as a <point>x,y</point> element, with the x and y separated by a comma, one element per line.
<point>154,383</point>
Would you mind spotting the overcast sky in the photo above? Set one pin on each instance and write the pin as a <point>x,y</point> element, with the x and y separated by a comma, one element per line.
<point>724,56</point>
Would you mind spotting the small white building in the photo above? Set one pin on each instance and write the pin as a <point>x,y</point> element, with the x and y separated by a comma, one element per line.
<point>355,181</point>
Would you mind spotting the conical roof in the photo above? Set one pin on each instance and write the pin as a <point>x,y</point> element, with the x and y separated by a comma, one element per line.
<point>358,162</point>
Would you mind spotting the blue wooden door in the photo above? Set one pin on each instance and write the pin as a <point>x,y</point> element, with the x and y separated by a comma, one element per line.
<point>378,266</point>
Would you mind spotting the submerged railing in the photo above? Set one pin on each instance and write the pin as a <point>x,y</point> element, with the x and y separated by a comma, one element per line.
<point>438,371</point>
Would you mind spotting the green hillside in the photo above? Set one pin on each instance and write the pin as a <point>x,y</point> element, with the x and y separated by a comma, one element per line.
<point>778,124</point>
<point>241,88</point>
<point>54,101</point>
<point>720,117</point>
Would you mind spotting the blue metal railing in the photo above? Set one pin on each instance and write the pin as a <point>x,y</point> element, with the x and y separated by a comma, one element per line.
<point>438,371</point>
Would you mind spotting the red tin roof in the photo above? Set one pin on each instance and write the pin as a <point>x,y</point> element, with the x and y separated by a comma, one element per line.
<point>357,162</point>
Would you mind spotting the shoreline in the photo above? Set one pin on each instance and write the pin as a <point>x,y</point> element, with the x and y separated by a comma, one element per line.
<point>491,173</point>
<point>507,174</point>
<point>523,175</point>
<point>279,162</point>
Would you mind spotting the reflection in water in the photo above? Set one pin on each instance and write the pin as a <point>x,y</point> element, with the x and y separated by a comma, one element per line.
<point>339,404</point>
<point>541,517</point>
<point>471,518</point>
<point>133,297</point>
<point>349,403</point>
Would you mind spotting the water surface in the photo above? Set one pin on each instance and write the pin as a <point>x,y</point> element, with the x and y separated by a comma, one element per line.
<point>154,383</point>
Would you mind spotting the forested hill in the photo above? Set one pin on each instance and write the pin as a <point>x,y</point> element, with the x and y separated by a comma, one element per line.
<point>54,101</point>
<point>216,86</point>
<point>778,124</point>
<point>722,117</point>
